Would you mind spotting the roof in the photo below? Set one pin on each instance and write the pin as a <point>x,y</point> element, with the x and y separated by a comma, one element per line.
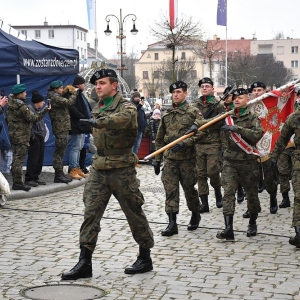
<point>47,26</point>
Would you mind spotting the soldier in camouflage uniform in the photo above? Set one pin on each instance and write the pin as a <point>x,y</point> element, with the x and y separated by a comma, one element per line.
<point>209,149</point>
<point>113,173</point>
<point>238,165</point>
<point>290,127</point>
<point>179,161</point>
<point>267,176</point>
<point>18,118</point>
<point>61,124</point>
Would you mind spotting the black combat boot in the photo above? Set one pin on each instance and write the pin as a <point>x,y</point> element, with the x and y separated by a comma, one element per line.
<point>142,264</point>
<point>261,185</point>
<point>83,269</point>
<point>172,226</point>
<point>195,221</point>
<point>246,215</point>
<point>285,200</point>
<point>295,241</point>
<point>204,204</point>
<point>273,204</point>
<point>60,177</point>
<point>240,193</point>
<point>219,198</point>
<point>252,227</point>
<point>227,233</point>
<point>20,186</point>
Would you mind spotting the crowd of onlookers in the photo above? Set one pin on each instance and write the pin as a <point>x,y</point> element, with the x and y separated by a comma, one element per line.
<point>27,131</point>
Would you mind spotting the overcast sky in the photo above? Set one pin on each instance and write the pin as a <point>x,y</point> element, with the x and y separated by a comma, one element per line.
<point>245,18</point>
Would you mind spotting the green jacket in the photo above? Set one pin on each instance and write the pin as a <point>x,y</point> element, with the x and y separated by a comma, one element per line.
<point>115,134</point>
<point>213,136</point>
<point>18,118</point>
<point>249,127</point>
<point>290,127</point>
<point>173,125</point>
<point>59,113</point>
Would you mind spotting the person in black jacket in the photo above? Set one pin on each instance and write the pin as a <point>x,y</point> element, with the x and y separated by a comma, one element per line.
<point>80,110</point>
<point>141,118</point>
<point>36,144</point>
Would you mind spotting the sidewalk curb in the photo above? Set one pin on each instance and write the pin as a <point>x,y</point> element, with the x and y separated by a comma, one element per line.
<point>43,190</point>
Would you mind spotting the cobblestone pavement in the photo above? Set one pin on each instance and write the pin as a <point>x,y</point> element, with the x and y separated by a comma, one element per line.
<point>39,240</point>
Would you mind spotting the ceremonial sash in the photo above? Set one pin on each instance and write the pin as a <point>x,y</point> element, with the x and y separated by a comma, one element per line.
<point>239,140</point>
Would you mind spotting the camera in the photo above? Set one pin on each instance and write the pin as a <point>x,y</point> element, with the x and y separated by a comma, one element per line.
<point>142,98</point>
<point>2,93</point>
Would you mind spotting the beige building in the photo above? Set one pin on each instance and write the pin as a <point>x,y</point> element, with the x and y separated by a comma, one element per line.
<point>285,50</point>
<point>154,74</point>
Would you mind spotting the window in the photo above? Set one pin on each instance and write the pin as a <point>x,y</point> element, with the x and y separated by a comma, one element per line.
<point>145,75</point>
<point>84,37</point>
<point>294,49</point>
<point>294,63</point>
<point>37,34</point>
<point>193,74</point>
<point>264,49</point>
<point>183,55</point>
<point>51,34</point>
<point>155,56</point>
<point>280,50</point>
<point>81,35</point>
<point>77,34</point>
<point>24,32</point>
<point>156,74</point>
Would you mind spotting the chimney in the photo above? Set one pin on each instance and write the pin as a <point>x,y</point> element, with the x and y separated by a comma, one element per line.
<point>45,23</point>
<point>215,36</point>
<point>218,38</point>
<point>242,38</point>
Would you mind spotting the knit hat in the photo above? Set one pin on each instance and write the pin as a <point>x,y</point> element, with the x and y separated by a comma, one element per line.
<point>136,94</point>
<point>78,80</point>
<point>156,114</point>
<point>18,88</point>
<point>36,97</point>
<point>56,84</point>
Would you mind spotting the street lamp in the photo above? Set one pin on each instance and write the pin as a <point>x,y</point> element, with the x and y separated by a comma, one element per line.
<point>121,36</point>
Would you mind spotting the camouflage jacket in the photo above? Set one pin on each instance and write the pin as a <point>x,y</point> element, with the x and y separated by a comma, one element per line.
<point>290,127</point>
<point>249,127</point>
<point>213,136</point>
<point>115,134</point>
<point>173,125</point>
<point>59,113</point>
<point>18,118</point>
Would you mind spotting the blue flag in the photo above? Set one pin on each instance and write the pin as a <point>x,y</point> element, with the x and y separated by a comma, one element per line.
<point>222,13</point>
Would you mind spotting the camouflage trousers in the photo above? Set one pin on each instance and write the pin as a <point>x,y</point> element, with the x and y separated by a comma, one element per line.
<point>124,185</point>
<point>61,143</point>
<point>208,166</point>
<point>183,172</point>
<point>269,177</point>
<point>296,188</point>
<point>19,155</point>
<point>245,172</point>
<point>284,166</point>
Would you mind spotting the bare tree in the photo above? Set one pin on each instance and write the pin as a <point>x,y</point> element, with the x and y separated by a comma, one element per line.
<point>129,72</point>
<point>184,33</point>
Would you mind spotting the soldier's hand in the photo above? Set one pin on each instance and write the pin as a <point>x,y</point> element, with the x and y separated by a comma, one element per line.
<point>228,128</point>
<point>178,147</point>
<point>92,122</point>
<point>157,167</point>
<point>194,129</point>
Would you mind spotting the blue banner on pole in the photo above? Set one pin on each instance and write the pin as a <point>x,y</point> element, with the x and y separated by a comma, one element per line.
<point>222,13</point>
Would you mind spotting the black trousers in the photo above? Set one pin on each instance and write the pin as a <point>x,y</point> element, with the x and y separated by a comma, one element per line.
<point>35,158</point>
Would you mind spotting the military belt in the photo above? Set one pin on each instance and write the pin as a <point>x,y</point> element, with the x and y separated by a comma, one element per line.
<point>105,152</point>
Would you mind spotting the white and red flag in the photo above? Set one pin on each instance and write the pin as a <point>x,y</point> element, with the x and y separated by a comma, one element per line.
<point>173,12</point>
<point>272,112</point>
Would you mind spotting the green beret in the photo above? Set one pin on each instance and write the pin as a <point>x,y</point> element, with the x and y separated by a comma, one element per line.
<point>18,88</point>
<point>56,84</point>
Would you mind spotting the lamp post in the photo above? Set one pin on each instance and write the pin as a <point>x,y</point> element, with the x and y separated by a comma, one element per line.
<point>121,35</point>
